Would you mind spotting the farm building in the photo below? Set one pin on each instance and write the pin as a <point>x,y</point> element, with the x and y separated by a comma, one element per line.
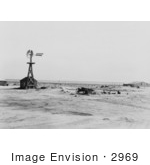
<point>3,83</point>
<point>27,83</point>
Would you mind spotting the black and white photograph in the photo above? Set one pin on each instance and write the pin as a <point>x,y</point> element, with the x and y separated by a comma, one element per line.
<point>74,75</point>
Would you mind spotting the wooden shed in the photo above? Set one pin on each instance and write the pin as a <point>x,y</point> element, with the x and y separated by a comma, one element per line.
<point>3,83</point>
<point>28,83</point>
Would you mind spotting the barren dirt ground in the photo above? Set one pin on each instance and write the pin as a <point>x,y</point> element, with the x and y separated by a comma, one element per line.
<point>60,107</point>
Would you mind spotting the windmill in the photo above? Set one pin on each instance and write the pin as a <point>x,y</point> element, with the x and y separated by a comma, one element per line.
<point>29,81</point>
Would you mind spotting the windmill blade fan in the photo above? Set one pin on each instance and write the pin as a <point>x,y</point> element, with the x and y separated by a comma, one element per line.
<point>29,53</point>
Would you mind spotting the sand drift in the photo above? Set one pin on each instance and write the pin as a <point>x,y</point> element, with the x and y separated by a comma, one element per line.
<point>61,106</point>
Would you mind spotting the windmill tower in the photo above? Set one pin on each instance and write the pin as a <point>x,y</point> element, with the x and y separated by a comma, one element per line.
<point>29,81</point>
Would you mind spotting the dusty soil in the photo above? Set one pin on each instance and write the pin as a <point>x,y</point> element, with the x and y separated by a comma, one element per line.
<point>58,106</point>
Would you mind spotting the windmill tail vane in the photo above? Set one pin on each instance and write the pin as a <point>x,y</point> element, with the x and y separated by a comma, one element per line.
<point>39,54</point>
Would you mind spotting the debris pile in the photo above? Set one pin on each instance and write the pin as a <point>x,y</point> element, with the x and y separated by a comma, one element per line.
<point>43,87</point>
<point>111,92</point>
<point>85,91</point>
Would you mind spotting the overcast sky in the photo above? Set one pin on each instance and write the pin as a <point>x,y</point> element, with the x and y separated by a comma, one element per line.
<point>78,51</point>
